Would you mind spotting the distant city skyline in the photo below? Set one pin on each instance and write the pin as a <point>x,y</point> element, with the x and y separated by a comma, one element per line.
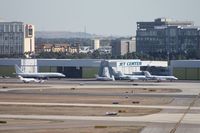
<point>102,17</point>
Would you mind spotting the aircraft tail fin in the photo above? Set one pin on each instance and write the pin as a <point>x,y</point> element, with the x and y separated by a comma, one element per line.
<point>106,72</point>
<point>18,70</point>
<point>113,78</point>
<point>147,74</point>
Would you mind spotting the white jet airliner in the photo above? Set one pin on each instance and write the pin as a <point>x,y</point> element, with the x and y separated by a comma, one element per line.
<point>159,78</point>
<point>28,80</point>
<point>40,75</point>
<point>122,76</point>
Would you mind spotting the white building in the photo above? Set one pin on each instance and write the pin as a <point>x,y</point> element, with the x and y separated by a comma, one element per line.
<point>16,38</point>
<point>96,44</point>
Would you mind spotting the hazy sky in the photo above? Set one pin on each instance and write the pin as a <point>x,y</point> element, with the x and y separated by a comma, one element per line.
<point>104,17</point>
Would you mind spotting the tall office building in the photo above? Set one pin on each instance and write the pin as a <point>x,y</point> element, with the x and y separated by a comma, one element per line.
<point>167,35</point>
<point>16,38</point>
<point>122,47</point>
<point>96,44</point>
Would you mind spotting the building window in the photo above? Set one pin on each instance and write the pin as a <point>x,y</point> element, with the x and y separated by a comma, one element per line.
<point>1,28</point>
<point>11,28</point>
<point>30,32</point>
<point>20,29</point>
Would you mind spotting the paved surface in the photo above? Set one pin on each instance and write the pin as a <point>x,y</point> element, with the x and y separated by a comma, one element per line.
<point>192,92</point>
<point>180,116</point>
<point>100,105</point>
<point>155,118</point>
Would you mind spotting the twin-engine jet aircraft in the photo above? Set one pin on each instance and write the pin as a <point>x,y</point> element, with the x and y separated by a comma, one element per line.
<point>24,76</point>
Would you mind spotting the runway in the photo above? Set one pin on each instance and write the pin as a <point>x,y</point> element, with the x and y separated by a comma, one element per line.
<point>182,113</point>
<point>153,118</point>
<point>100,105</point>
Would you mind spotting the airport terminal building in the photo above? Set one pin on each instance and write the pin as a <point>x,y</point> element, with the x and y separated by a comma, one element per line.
<point>74,68</point>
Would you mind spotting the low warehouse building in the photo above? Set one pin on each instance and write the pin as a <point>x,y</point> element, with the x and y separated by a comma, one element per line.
<point>73,68</point>
<point>186,69</point>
